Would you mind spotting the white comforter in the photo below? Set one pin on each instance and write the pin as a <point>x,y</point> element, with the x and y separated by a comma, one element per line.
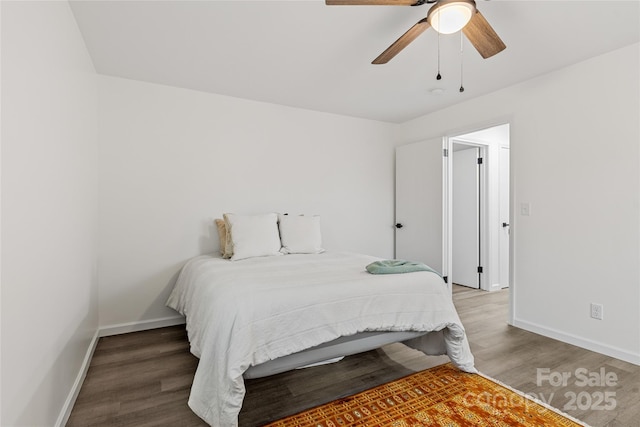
<point>242,313</point>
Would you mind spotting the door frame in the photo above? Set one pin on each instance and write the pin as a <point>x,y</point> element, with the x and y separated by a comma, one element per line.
<point>447,204</point>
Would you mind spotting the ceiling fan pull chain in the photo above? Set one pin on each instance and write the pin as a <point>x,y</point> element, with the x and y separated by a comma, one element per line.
<point>461,61</point>
<point>438,77</point>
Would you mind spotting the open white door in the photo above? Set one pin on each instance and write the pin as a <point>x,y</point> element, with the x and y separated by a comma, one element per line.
<point>504,217</point>
<point>419,202</point>
<point>465,216</point>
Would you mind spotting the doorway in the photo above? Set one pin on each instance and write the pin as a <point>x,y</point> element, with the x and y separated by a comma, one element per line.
<point>476,217</point>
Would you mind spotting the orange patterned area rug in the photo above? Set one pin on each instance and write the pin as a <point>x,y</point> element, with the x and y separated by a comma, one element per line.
<point>440,396</point>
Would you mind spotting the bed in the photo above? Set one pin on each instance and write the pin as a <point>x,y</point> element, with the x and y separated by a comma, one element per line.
<point>264,315</point>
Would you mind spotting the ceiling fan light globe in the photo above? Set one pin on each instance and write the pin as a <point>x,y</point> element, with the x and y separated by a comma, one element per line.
<point>451,17</point>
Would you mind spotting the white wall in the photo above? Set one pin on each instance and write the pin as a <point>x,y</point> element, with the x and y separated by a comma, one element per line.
<point>49,201</point>
<point>575,158</point>
<point>172,160</point>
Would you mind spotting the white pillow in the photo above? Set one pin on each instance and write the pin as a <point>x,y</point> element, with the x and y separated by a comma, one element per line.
<point>300,234</point>
<point>253,235</point>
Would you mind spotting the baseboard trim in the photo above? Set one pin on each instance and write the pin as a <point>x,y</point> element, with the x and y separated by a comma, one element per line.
<point>598,347</point>
<point>143,325</point>
<point>65,413</point>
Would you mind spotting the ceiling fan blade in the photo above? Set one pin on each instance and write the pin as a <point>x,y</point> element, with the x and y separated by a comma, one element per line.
<point>404,40</point>
<point>371,2</point>
<point>482,36</point>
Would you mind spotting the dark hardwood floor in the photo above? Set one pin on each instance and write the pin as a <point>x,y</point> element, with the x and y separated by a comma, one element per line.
<point>143,378</point>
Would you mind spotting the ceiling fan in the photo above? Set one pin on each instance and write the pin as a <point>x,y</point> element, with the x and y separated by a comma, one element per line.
<point>446,17</point>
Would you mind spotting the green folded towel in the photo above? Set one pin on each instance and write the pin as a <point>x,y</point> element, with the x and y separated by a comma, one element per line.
<point>396,266</point>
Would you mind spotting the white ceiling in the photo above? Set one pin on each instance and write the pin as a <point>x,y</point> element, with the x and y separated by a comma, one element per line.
<point>308,55</point>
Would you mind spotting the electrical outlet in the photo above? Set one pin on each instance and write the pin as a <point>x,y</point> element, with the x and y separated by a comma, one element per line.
<point>596,311</point>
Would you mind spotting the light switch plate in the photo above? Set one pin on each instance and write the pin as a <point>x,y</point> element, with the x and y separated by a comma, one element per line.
<point>525,209</point>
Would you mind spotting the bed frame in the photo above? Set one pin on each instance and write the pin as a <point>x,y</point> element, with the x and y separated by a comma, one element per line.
<point>330,351</point>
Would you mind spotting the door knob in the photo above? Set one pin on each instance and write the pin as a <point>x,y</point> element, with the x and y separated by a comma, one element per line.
<point>398,225</point>
<point>504,224</point>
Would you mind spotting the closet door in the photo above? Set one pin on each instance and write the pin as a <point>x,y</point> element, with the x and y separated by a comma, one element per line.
<point>465,200</point>
<point>419,202</point>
